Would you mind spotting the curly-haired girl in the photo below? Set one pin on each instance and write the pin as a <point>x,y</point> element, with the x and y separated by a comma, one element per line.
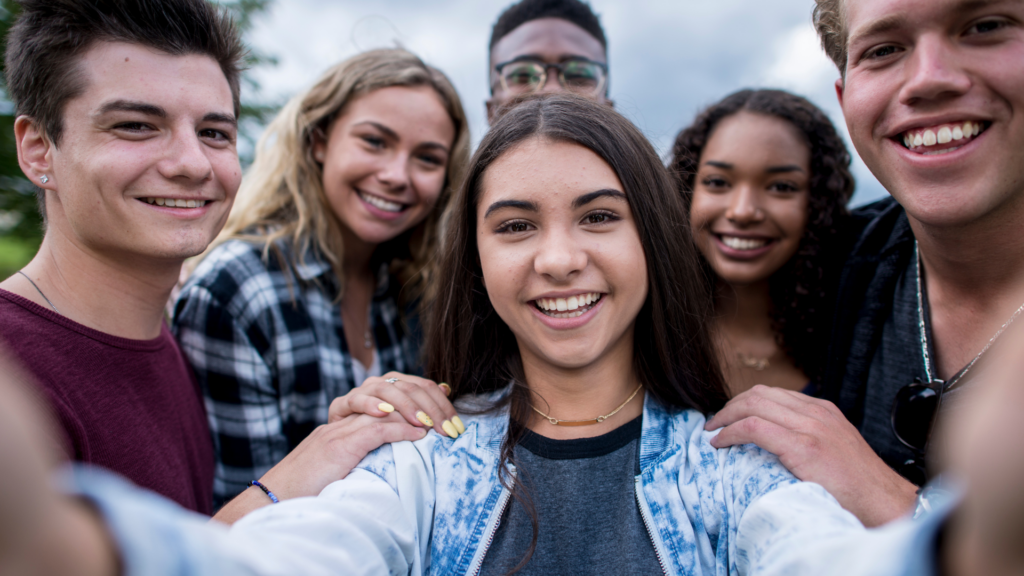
<point>766,179</point>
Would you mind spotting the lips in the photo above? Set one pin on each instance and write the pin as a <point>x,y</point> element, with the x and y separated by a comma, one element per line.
<point>381,203</point>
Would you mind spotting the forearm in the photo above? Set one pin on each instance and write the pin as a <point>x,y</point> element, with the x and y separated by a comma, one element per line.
<point>249,500</point>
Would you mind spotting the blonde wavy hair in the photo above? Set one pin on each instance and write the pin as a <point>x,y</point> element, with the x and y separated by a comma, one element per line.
<point>829,17</point>
<point>282,195</point>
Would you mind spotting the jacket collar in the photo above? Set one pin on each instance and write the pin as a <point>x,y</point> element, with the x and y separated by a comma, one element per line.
<point>655,437</point>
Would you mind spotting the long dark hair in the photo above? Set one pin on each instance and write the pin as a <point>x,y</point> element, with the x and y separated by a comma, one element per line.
<point>800,290</point>
<point>473,350</point>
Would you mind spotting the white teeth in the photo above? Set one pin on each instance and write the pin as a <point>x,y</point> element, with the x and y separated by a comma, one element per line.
<point>567,307</point>
<point>941,135</point>
<point>381,203</point>
<point>744,243</point>
<point>170,202</point>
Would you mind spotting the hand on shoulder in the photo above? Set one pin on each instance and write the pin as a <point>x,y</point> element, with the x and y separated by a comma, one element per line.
<point>818,444</point>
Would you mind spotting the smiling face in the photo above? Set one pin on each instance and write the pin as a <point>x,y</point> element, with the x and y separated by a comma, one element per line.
<point>150,129</point>
<point>548,40</point>
<point>384,161</point>
<point>561,257</point>
<point>934,99</point>
<point>749,207</point>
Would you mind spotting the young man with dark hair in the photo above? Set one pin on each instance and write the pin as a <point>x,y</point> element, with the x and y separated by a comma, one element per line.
<point>933,95</point>
<point>547,46</point>
<point>127,121</point>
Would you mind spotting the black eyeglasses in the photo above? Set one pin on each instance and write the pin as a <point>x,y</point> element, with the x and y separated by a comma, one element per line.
<point>913,413</point>
<point>578,75</point>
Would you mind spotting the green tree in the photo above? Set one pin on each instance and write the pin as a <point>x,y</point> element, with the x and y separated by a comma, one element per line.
<point>20,223</point>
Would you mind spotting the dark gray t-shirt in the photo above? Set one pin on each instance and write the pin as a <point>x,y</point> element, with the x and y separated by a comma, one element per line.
<point>584,495</point>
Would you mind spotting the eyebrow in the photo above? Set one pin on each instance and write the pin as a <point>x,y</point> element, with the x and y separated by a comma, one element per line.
<point>783,169</point>
<point>590,197</point>
<point>130,106</point>
<point>879,26</point>
<point>218,117</point>
<point>770,170</point>
<point>154,110</point>
<point>519,204</point>
<point>394,135</point>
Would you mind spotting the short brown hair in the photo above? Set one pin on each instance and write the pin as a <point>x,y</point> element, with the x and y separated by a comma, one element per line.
<point>829,18</point>
<point>45,42</point>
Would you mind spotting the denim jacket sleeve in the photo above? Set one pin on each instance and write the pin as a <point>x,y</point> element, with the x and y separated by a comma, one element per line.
<point>771,516</point>
<point>378,518</point>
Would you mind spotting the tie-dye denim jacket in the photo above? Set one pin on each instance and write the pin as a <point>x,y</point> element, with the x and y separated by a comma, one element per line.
<point>432,506</point>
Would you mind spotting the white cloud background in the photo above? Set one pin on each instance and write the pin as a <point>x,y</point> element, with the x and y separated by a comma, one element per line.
<point>668,58</point>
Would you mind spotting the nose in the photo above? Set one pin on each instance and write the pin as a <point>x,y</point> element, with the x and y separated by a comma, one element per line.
<point>933,72</point>
<point>186,158</point>
<point>551,83</point>
<point>745,206</point>
<point>560,257</point>
<point>394,172</point>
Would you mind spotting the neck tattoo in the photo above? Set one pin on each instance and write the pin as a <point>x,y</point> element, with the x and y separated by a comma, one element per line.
<point>598,420</point>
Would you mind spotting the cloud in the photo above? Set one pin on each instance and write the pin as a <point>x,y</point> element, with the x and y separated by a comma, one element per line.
<point>668,58</point>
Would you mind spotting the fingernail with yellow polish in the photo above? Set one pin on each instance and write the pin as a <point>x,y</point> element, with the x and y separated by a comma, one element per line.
<point>385,407</point>
<point>447,389</point>
<point>458,424</point>
<point>449,429</point>
<point>422,417</point>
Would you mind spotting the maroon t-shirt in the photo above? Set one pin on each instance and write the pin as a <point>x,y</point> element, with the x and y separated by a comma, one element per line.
<point>131,406</point>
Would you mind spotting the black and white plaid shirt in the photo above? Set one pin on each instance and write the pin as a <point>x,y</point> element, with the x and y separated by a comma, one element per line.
<point>269,367</point>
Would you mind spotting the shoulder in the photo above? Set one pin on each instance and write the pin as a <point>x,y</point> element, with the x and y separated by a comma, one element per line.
<point>228,267</point>
<point>749,469</point>
<point>882,225</point>
<point>237,281</point>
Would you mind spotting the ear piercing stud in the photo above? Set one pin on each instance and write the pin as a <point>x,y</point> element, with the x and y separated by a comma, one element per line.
<point>44,178</point>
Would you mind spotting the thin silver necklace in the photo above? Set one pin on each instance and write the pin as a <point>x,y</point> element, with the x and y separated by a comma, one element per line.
<point>959,376</point>
<point>22,272</point>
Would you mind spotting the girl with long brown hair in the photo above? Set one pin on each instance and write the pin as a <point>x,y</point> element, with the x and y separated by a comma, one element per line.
<point>571,323</point>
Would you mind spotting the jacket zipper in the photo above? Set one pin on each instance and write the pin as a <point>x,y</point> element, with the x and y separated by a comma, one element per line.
<point>645,513</point>
<point>506,494</point>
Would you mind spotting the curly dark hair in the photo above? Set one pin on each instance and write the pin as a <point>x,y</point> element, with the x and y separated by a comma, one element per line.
<point>801,290</point>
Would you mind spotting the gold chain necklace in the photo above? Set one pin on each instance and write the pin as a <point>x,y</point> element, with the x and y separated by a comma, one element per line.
<point>752,362</point>
<point>597,420</point>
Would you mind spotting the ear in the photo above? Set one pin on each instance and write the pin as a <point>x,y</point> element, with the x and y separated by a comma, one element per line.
<point>319,149</point>
<point>35,153</point>
<point>839,90</point>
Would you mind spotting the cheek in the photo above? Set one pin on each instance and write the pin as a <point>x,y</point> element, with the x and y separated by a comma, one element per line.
<point>704,209</point>
<point>428,187</point>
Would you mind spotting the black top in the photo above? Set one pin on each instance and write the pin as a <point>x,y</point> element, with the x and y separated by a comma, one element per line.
<point>583,492</point>
<point>876,347</point>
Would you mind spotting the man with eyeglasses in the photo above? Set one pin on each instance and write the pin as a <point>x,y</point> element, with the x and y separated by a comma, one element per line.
<point>547,46</point>
<point>933,95</point>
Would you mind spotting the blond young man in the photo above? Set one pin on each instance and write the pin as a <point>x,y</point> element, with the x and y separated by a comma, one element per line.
<point>933,96</point>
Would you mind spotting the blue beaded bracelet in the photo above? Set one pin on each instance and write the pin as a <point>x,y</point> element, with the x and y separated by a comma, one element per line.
<point>265,489</point>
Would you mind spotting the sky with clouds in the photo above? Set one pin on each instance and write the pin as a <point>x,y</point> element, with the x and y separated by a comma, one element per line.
<point>668,58</point>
